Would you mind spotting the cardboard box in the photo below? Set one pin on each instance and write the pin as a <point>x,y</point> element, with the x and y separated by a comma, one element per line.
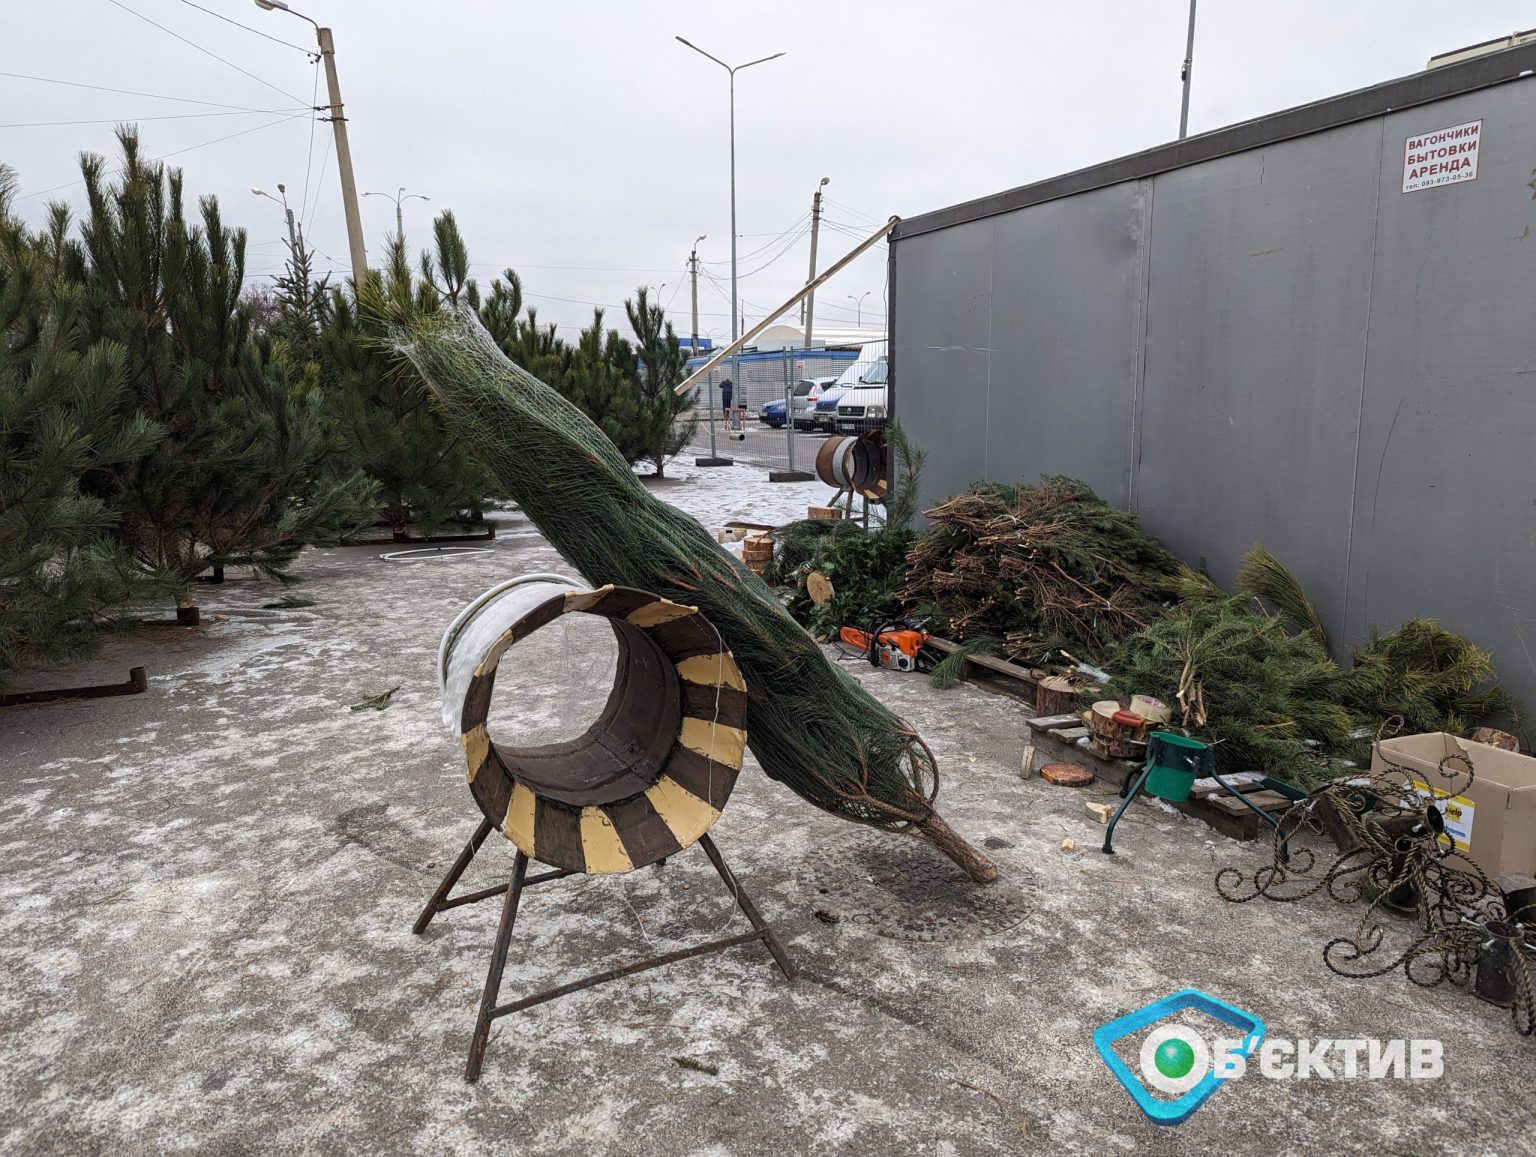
<point>1491,813</point>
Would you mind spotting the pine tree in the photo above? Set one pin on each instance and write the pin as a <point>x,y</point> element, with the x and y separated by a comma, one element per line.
<point>238,472</point>
<point>659,370</point>
<point>62,578</point>
<point>390,429</point>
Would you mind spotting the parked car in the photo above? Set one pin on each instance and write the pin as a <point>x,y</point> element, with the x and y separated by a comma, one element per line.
<point>863,404</point>
<point>824,414</point>
<point>807,393</point>
<point>772,414</point>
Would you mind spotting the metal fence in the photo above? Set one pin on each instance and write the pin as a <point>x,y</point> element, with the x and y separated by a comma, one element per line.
<point>1283,332</point>
<point>771,429</point>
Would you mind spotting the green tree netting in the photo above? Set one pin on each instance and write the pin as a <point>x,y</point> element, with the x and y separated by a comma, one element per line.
<point>810,726</point>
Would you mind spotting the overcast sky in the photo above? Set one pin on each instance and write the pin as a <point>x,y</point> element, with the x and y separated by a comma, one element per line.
<point>581,144</point>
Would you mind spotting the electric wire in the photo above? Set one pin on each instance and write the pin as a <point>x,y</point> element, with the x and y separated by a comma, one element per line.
<point>248,28</point>
<point>320,184</point>
<point>310,152</point>
<point>166,156</point>
<point>131,92</point>
<point>184,116</point>
<point>204,51</point>
<point>740,257</point>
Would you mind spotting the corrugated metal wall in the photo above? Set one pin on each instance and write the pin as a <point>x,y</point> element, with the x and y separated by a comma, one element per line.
<point>1274,345</point>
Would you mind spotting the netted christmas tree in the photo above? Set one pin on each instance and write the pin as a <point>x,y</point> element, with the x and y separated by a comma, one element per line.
<point>810,726</point>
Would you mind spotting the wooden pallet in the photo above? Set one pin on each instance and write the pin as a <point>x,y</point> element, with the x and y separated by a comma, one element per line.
<point>992,673</point>
<point>1056,737</point>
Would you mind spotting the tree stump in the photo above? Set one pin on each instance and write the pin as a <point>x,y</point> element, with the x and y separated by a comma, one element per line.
<point>1056,695</point>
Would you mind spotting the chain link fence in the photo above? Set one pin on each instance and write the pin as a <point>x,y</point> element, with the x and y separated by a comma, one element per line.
<point>778,410</point>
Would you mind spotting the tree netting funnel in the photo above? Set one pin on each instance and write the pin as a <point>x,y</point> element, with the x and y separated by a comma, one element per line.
<point>655,768</point>
<point>812,727</point>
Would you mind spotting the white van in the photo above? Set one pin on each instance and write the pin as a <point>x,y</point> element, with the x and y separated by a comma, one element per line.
<point>863,404</point>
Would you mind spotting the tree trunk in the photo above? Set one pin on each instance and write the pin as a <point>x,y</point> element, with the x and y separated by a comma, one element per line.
<point>947,840</point>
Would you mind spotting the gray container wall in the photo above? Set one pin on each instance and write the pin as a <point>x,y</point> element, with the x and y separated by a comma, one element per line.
<point>1275,345</point>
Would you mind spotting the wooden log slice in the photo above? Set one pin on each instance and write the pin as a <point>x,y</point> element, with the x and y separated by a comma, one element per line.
<point>1066,774</point>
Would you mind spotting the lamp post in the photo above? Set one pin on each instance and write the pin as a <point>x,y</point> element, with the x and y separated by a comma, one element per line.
<point>398,197</point>
<point>293,239</point>
<point>343,150</point>
<point>713,460</point>
<point>858,304</point>
<point>1189,73</point>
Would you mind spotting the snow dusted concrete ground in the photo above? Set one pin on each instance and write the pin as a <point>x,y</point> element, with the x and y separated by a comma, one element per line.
<point>208,890</point>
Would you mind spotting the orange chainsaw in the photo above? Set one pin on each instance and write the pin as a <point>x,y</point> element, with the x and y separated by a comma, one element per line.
<point>895,646</point>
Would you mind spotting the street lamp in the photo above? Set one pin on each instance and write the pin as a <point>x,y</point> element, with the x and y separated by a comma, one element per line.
<point>293,240</point>
<point>399,197</point>
<point>1188,73</point>
<point>343,149</point>
<point>735,301</point>
<point>858,303</point>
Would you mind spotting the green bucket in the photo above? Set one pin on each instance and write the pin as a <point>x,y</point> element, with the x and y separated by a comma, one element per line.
<point>1176,761</point>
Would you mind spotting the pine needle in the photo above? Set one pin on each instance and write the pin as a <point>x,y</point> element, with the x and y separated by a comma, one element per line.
<point>947,673</point>
<point>1263,576</point>
<point>375,702</point>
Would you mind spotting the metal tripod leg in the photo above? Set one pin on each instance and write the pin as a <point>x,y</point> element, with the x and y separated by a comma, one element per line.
<point>436,904</point>
<point>749,909</point>
<point>482,1035</point>
<point>1109,833</point>
<point>1285,846</point>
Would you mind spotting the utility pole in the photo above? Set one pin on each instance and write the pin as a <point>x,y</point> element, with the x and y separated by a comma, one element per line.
<point>808,310</point>
<point>343,150</point>
<point>344,160</point>
<point>1188,74</point>
<point>693,274</point>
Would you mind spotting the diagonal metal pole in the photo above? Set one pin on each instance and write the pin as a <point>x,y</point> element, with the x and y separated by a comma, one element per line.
<point>773,315</point>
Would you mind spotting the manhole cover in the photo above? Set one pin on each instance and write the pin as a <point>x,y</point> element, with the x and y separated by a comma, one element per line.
<point>903,890</point>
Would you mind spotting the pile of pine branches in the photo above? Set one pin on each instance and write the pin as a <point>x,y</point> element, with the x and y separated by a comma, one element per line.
<point>1251,673</point>
<point>1037,568</point>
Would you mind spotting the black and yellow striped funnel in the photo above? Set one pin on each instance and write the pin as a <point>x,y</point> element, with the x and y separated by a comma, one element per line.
<point>653,771</point>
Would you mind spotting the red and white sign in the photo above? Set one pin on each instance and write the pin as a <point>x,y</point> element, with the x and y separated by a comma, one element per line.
<point>1443,157</point>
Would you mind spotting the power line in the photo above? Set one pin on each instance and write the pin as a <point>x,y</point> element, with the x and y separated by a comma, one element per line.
<point>204,51</point>
<point>175,153</point>
<point>762,248</point>
<point>185,116</point>
<point>310,155</point>
<point>587,268</point>
<point>132,92</point>
<point>850,209</point>
<point>788,248</point>
<point>248,28</point>
<point>319,185</point>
